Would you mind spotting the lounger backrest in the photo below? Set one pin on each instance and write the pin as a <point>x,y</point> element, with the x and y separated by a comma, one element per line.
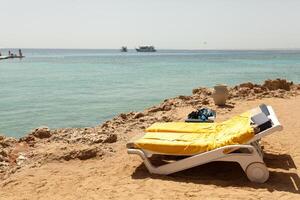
<point>262,121</point>
<point>264,109</point>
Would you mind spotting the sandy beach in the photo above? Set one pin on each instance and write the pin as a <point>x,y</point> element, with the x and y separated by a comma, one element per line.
<point>92,162</point>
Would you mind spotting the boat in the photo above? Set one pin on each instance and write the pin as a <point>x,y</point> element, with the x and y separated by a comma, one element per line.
<point>146,49</point>
<point>4,57</point>
<point>124,49</point>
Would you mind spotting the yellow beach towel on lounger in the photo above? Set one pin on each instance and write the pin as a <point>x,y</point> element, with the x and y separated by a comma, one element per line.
<point>181,138</point>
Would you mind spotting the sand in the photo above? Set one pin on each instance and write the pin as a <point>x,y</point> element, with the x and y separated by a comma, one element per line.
<point>121,176</point>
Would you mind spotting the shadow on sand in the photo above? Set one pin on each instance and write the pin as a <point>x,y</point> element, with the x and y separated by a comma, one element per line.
<point>226,174</point>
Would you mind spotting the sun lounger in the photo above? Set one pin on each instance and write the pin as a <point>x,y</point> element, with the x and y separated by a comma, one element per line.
<point>235,140</point>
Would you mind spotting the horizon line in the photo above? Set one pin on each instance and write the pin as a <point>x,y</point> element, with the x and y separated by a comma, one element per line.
<point>183,49</point>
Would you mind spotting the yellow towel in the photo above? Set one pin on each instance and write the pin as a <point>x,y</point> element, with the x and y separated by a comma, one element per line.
<point>181,138</point>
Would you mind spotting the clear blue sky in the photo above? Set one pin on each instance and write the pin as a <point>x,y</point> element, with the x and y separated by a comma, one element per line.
<point>171,24</point>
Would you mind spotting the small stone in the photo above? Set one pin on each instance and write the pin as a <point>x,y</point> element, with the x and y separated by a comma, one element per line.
<point>27,139</point>
<point>104,125</point>
<point>82,154</point>
<point>184,97</point>
<point>123,116</point>
<point>257,90</point>
<point>167,108</point>
<point>205,101</point>
<point>42,132</point>
<point>247,85</point>
<point>111,138</point>
<point>21,159</point>
<point>3,152</point>
<point>204,91</point>
<point>4,164</point>
<point>3,158</point>
<point>155,109</point>
<point>138,115</point>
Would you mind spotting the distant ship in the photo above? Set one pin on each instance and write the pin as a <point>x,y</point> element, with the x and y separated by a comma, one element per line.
<point>146,49</point>
<point>124,49</point>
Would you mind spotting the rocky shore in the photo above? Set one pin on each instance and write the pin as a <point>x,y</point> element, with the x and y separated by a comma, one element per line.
<point>43,145</point>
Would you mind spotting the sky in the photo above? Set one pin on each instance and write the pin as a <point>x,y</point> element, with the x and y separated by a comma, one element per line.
<point>166,24</point>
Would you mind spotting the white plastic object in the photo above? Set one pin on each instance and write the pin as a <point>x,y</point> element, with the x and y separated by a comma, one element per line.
<point>257,172</point>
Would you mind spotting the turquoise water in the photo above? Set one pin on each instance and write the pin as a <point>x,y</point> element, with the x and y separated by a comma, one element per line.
<point>79,88</point>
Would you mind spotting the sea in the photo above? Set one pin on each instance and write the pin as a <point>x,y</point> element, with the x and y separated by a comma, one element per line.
<point>81,88</point>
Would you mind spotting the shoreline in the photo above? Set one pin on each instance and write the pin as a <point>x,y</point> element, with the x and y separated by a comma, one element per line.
<point>105,133</point>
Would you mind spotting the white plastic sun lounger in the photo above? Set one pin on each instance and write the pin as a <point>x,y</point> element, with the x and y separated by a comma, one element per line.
<point>249,155</point>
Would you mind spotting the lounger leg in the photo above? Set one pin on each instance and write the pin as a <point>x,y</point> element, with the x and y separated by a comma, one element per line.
<point>251,162</point>
<point>144,156</point>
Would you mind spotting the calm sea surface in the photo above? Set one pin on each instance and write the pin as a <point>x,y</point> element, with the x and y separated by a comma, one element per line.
<point>79,88</point>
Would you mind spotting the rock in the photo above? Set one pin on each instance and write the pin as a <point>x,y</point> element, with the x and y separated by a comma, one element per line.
<point>201,90</point>
<point>3,152</point>
<point>258,90</point>
<point>92,139</point>
<point>3,158</point>
<point>182,97</point>
<point>155,109</point>
<point>243,91</point>
<point>138,115</point>
<point>21,159</point>
<point>166,108</point>
<point>7,141</point>
<point>123,116</point>
<point>205,101</point>
<point>104,125</point>
<point>4,164</point>
<point>111,138</point>
<point>41,132</point>
<point>82,154</point>
<point>142,127</point>
<point>142,120</point>
<point>195,102</point>
<point>247,85</point>
<point>164,119</point>
<point>195,91</point>
<point>27,139</point>
<point>278,84</point>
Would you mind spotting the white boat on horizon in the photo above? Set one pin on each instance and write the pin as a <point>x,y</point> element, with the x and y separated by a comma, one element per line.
<point>146,49</point>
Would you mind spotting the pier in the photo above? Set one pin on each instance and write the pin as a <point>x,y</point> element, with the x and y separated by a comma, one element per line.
<point>11,55</point>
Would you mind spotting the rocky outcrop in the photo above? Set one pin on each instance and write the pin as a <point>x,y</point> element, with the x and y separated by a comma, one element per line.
<point>83,136</point>
<point>278,84</point>
<point>278,88</point>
